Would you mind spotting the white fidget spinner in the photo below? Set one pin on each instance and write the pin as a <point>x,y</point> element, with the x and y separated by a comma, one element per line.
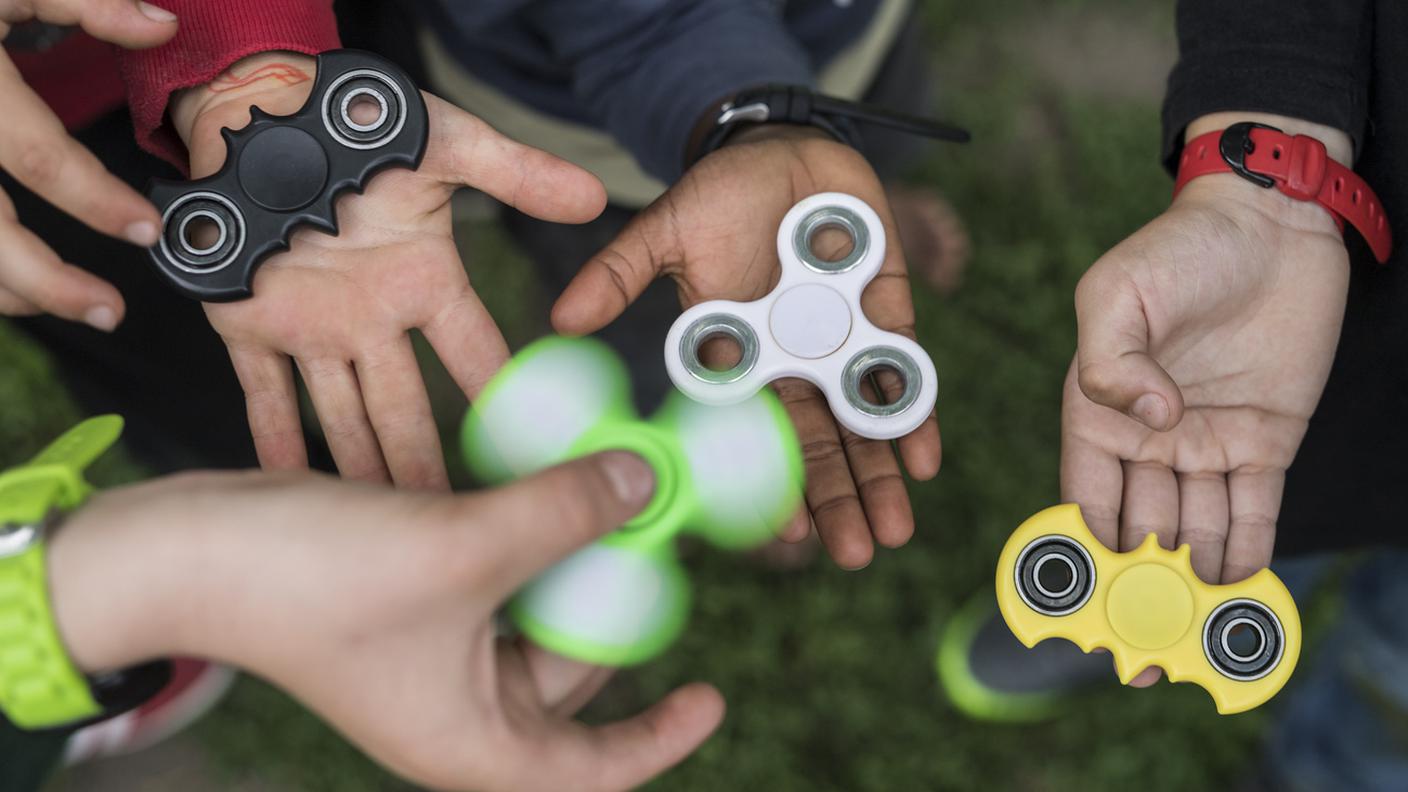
<point>811,326</point>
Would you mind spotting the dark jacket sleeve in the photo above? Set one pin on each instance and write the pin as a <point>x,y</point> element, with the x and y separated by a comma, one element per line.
<point>647,69</point>
<point>1308,59</point>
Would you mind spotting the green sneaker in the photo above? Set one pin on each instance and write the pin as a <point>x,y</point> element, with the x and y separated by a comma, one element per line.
<point>988,675</point>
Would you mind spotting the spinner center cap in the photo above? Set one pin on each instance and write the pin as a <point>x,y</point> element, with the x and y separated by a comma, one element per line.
<point>810,321</point>
<point>283,168</point>
<point>1149,606</point>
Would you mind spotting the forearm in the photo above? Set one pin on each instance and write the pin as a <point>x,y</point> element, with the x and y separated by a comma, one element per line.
<point>650,77</point>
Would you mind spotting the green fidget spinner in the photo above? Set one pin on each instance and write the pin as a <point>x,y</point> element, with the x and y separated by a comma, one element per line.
<point>731,475</point>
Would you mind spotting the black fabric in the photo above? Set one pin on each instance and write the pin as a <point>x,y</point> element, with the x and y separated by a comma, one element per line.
<point>1343,64</point>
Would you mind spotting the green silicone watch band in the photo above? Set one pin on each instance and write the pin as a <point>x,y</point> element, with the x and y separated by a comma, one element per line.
<point>39,685</point>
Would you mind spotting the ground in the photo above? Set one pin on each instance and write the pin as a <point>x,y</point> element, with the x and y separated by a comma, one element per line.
<point>829,674</point>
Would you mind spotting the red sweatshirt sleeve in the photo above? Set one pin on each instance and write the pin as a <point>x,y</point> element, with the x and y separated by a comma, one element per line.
<point>211,35</point>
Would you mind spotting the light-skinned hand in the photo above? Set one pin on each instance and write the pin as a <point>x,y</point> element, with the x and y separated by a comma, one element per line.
<point>342,307</point>
<point>1205,340</point>
<point>37,151</point>
<point>375,608</point>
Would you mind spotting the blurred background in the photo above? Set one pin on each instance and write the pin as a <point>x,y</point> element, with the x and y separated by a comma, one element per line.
<point>830,675</point>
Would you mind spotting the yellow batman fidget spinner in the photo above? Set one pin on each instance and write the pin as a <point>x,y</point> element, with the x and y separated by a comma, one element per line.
<point>1238,641</point>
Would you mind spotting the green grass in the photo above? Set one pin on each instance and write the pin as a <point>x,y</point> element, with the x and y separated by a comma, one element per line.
<point>829,674</point>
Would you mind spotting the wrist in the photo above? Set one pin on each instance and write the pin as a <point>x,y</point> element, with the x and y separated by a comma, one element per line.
<point>1338,145</point>
<point>791,133</point>
<point>1240,198</point>
<point>277,82</point>
<point>115,583</point>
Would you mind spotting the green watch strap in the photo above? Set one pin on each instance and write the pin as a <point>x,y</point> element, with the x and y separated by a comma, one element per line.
<point>39,685</point>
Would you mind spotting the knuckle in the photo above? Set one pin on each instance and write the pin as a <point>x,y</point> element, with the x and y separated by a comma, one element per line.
<point>827,449</point>
<point>39,163</point>
<point>1097,379</point>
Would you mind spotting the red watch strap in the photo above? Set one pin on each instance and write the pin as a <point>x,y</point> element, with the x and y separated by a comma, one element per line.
<point>1299,167</point>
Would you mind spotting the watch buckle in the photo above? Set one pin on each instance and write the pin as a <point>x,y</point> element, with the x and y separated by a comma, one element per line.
<point>1234,146</point>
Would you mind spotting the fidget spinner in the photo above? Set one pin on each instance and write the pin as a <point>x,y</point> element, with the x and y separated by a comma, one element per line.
<point>1238,641</point>
<point>281,172</point>
<point>731,475</point>
<point>811,326</point>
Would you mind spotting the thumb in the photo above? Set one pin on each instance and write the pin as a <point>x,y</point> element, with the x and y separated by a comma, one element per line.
<point>127,23</point>
<point>614,277</point>
<point>1113,362</point>
<point>536,522</point>
<point>465,150</point>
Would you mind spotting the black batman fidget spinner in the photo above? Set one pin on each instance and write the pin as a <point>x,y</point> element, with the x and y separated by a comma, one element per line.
<point>285,171</point>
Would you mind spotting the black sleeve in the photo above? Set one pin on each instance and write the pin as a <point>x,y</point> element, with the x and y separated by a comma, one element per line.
<point>1308,59</point>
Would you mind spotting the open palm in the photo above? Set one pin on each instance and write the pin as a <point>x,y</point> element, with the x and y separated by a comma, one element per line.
<point>715,234</point>
<point>1210,332</point>
<point>341,307</point>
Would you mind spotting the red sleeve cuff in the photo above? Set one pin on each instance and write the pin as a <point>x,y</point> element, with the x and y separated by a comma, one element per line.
<point>211,36</point>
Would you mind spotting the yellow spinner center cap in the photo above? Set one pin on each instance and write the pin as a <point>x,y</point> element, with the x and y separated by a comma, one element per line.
<point>1150,606</point>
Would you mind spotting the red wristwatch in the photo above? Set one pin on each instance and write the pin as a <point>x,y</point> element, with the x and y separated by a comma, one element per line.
<point>1298,166</point>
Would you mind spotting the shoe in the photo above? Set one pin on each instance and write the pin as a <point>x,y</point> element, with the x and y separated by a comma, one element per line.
<point>195,688</point>
<point>988,675</point>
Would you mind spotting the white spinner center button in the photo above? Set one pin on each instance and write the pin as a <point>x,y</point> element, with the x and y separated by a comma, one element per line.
<point>810,321</point>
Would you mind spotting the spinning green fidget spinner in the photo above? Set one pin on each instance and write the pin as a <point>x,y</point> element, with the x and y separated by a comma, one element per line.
<point>731,475</point>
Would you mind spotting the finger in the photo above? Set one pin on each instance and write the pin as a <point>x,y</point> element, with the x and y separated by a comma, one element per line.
<point>798,528</point>
<point>554,513</point>
<point>393,390</point>
<point>12,304</point>
<point>613,278</point>
<point>1116,369</point>
<point>466,339</point>
<point>127,23</point>
<point>564,685</point>
<point>889,300</point>
<point>38,152</point>
<point>1093,479</point>
<point>622,755</point>
<point>1150,505</point>
<point>1203,521</point>
<point>1254,503</point>
<point>922,450</point>
<point>1147,677</point>
<point>34,275</point>
<point>831,491</point>
<point>337,398</point>
<point>465,150</point>
<point>881,488</point>
<point>271,403</point>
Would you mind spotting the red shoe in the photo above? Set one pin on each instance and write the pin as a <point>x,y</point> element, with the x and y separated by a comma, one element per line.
<point>195,688</point>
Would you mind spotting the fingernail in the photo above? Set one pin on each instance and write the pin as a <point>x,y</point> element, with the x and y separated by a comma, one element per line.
<point>1151,410</point>
<point>101,317</point>
<point>631,478</point>
<point>155,13</point>
<point>142,233</point>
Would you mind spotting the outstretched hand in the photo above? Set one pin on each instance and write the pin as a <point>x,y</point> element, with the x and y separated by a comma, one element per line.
<point>375,608</point>
<point>715,234</point>
<point>1205,340</point>
<point>341,307</point>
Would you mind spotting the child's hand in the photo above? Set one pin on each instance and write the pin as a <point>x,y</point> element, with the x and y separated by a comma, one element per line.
<point>715,234</point>
<point>341,307</point>
<point>375,608</point>
<point>1206,339</point>
<point>38,153</point>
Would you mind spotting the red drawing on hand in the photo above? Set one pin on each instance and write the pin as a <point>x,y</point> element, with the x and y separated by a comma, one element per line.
<point>286,73</point>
